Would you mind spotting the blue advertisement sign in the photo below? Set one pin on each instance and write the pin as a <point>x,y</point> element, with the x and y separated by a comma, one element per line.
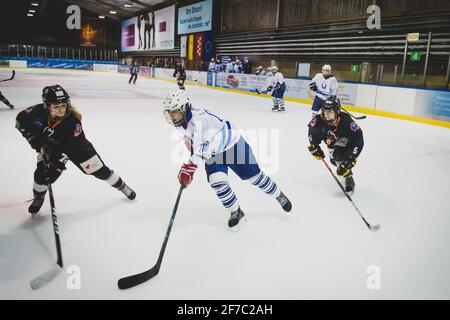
<point>195,17</point>
<point>432,104</point>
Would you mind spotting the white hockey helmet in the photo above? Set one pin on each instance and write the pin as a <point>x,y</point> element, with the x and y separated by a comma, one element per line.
<point>274,69</point>
<point>326,69</point>
<point>176,101</point>
<point>260,68</point>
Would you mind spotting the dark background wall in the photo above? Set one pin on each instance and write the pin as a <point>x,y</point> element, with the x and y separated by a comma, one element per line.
<point>48,26</point>
<point>241,16</point>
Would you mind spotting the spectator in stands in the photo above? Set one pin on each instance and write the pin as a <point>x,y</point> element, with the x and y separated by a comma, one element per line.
<point>212,65</point>
<point>229,67</point>
<point>237,67</point>
<point>218,66</point>
<point>246,68</point>
<point>260,71</point>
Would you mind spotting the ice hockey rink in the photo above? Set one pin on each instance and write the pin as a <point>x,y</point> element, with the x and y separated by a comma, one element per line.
<point>321,250</point>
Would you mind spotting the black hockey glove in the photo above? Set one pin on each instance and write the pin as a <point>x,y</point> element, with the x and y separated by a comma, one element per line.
<point>345,167</point>
<point>331,139</point>
<point>316,152</point>
<point>313,86</point>
<point>269,88</point>
<point>54,160</point>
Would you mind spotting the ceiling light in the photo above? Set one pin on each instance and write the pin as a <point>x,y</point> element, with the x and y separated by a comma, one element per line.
<point>113,12</point>
<point>127,5</point>
<point>35,4</point>
<point>101,17</point>
<point>30,14</point>
<point>32,11</point>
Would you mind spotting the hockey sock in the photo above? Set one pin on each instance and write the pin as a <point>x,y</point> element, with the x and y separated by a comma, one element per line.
<point>280,102</point>
<point>275,103</point>
<point>266,184</point>
<point>115,180</point>
<point>39,188</point>
<point>226,195</point>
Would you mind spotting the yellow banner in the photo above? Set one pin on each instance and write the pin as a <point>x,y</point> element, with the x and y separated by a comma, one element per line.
<point>191,47</point>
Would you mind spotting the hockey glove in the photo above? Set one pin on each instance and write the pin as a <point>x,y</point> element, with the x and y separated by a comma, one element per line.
<point>269,88</point>
<point>186,174</point>
<point>54,163</point>
<point>316,152</point>
<point>331,139</point>
<point>345,168</point>
<point>313,86</point>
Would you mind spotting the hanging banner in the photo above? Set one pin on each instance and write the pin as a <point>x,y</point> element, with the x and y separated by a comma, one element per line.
<point>199,39</point>
<point>208,48</point>
<point>195,18</point>
<point>183,45</point>
<point>154,30</point>
<point>191,47</point>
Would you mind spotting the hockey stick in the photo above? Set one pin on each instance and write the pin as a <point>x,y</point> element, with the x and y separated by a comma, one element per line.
<point>49,275</point>
<point>351,115</point>
<point>136,279</point>
<point>261,92</point>
<point>375,227</point>
<point>12,76</point>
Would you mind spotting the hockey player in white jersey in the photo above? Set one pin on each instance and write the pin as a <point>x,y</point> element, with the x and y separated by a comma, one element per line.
<point>219,144</point>
<point>325,86</point>
<point>276,83</point>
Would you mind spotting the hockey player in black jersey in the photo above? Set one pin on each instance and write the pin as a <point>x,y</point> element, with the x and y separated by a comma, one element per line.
<point>343,137</point>
<point>180,74</point>
<point>53,128</point>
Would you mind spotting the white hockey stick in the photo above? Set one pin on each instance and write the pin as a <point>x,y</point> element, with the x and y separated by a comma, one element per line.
<point>45,278</point>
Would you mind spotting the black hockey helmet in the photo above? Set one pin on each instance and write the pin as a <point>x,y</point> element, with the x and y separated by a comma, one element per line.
<point>332,103</point>
<point>56,95</point>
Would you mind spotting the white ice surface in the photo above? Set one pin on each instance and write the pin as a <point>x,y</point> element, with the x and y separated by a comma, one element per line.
<point>321,251</point>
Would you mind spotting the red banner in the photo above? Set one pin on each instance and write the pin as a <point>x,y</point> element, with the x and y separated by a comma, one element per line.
<point>198,43</point>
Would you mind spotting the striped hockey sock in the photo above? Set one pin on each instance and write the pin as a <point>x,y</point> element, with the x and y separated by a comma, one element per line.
<point>280,102</point>
<point>266,184</point>
<point>226,195</point>
<point>275,102</point>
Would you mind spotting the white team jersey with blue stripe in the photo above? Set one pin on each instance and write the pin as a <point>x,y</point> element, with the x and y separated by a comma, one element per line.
<point>326,87</point>
<point>209,134</point>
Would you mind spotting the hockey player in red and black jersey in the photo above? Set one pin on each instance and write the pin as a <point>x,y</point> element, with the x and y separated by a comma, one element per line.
<point>343,137</point>
<point>53,128</point>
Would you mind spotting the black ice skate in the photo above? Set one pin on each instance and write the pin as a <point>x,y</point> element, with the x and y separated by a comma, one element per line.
<point>127,191</point>
<point>284,202</point>
<point>275,108</point>
<point>281,109</point>
<point>236,220</point>
<point>349,185</point>
<point>37,203</point>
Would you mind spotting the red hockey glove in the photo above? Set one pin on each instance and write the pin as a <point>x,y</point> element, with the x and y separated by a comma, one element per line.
<point>186,174</point>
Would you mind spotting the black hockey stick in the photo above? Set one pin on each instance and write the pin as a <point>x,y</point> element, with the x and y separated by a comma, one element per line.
<point>351,115</point>
<point>49,275</point>
<point>375,227</point>
<point>261,92</point>
<point>12,76</point>
<point>136,279</point>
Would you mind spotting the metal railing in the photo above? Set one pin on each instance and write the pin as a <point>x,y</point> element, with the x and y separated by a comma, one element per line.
<point>47,52</point>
